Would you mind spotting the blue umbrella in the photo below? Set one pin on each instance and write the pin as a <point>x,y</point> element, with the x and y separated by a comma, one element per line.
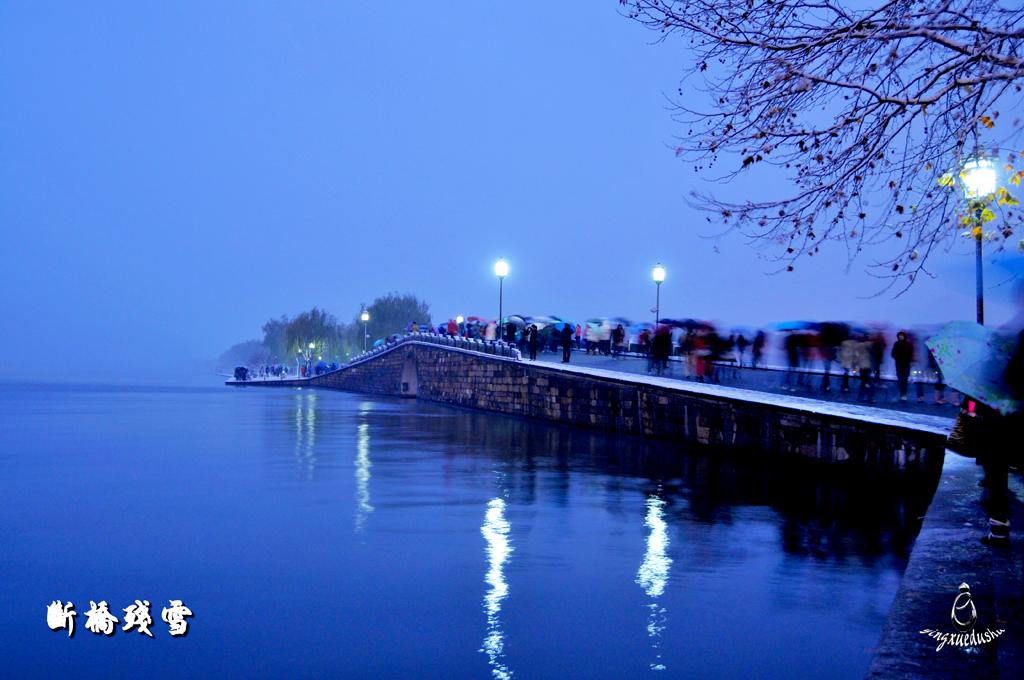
<point>973,360</point>
<point>796,326</point>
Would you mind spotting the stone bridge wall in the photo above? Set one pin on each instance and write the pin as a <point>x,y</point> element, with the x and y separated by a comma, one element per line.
<point>504,385</point>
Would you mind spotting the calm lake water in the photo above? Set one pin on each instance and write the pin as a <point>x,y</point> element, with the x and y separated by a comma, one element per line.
<point>317,533</point>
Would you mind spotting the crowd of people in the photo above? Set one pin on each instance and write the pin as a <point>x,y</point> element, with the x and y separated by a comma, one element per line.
<point>304,369</point>
<point>859,354</point>
<point>814,356</point>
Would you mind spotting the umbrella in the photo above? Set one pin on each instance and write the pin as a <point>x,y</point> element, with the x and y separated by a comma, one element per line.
<point>516,319</point>
<point>796,326</point>
<point>834,332</point>
<point>973,360</point>
<point>378,343</point>
<point>693,324</point>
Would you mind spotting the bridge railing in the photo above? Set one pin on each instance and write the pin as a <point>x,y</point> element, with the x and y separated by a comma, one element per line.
<point>493,347</point>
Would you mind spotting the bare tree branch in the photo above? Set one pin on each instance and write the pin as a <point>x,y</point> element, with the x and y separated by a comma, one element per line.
<point>867,110</point>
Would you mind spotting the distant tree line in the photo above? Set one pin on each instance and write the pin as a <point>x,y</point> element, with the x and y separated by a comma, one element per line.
<point>287,339</point>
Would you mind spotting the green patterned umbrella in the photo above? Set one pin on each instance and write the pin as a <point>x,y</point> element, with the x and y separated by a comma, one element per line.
<point>973,360</point>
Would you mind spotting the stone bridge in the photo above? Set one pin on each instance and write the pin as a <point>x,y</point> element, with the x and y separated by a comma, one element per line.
<point>492,376</point>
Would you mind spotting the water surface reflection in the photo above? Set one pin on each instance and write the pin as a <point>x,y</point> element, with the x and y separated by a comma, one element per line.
<point>363,507</point>
<point>340,536</point>
<point>653,574</point>
<point>495,531</point>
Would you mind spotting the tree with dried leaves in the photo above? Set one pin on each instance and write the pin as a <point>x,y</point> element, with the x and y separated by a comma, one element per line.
<point>871,112</point>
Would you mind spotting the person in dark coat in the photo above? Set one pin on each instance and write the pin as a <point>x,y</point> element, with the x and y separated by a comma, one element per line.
<point>757,350</point>
<point>567,337</point>
<point>531,339</point>
<point>618,340</point>
<point>741,348</point>
<point>793,377</point>
<point>831,337</point>
<point>660,349</point>
<point>1001,432</point>
<point>902,356</point>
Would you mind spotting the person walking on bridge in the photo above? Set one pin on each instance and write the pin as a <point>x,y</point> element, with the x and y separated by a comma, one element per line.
<point>865,362</point>
<point>902,355</point>
<point>741,348</point>
<point>531,338</point>
<point>566,337</point>
<point>591,339</point>
<point>757,349</point>
<point>618,340</point>
<point>793,377</point>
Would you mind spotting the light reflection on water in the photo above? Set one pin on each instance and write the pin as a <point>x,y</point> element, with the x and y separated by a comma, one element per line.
<point>653,574</point>
<point>495,531</point>
<point>367,563</point>
<point>363,464</point>
<point>305,431</point>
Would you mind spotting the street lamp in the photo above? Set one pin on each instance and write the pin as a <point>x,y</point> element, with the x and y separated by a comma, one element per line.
<point>658,274</point>
<point>365,318</point>
<point>501,271</point>
<point>979,175</point>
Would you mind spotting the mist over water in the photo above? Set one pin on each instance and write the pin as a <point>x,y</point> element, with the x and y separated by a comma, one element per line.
<point>321,533</point>
<point>159,204</point>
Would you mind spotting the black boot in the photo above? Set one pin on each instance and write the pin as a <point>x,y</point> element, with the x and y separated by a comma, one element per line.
<point>998,534</point>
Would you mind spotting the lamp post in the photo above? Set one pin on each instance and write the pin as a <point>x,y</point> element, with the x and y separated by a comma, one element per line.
<point>979,175</point>
<point>501,271</point>
<point>365,318</point>
<point>658,274</point>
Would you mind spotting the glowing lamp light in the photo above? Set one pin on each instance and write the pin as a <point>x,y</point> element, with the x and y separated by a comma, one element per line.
<point>658,273</point>
<point>312,345</point>
<point>365,316</point>
<point>979,175</point>
<point>501,268</point>
<point>459,319</point>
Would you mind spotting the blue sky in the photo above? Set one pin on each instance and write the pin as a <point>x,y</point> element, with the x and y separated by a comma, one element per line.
<point>173,174</point>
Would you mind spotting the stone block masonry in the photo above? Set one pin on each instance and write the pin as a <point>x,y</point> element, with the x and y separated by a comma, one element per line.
<point>632,404</point>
